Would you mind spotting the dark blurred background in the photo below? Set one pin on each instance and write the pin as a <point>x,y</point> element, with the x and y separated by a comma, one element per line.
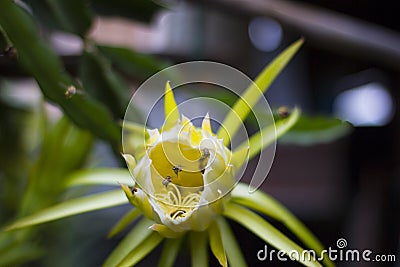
<point>348,67</point>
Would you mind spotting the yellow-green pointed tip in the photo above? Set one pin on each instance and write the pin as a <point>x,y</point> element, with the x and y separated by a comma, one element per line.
<point>255,91</point>
<point>170,107</point>
<point>127,190</point>
<point>296,45</point>
<point>130,161</point>
<point>164,231</point>
<point>206,125</point>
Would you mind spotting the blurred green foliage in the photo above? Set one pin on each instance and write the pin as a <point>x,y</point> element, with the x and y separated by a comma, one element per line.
<point>105,93</point>
<point>38,153</point>
<point>308,130</point>
<point>311,130</point>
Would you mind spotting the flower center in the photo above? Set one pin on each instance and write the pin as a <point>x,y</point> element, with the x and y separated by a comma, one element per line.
<point>174,204</point>
<point>178,163</point>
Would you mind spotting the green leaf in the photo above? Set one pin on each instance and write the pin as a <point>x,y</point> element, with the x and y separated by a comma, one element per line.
<point>170,252</point>
<point>134,136</point>
<point>72,207</point>
<point>66,15</point>
<point>142,10</point>
<point>16,254</point>
<point>266,232</point>
<point>35,56</point>
<point>261,202</point>
<point>103,83</point>
<point>135,128</point>
<point>240,155</point>
<point>136,65</point>
<point>255,91</point>
<point>4,42</point>
<point>233,251</point>
<point>135,237</point>
<point>18,135</point>
<point>65,147</point>
<point>310,130</point>
<point>100,176</point>
<point>124,222</point>
<point>216,244</point>
<point>139,252</point>
<point>198,248</point>
<point>266,136</point>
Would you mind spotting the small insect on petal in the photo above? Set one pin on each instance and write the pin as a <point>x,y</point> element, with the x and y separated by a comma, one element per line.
<point>283,112</point>
<point>205,154</point>
<point>129,190</point>
<point>167,180</point>
<point>71,90</point>
<point>10,52</point>
<point>177,169</point>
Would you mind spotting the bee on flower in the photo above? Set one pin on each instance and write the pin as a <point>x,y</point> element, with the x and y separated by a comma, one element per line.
<point>185,169</point>
<point>184,187</point>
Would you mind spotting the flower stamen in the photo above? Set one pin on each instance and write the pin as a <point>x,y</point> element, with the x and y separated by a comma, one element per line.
<point>175,199</point>
<point>177,213</point>
<point>176,205</point>
<point>191,198</point>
